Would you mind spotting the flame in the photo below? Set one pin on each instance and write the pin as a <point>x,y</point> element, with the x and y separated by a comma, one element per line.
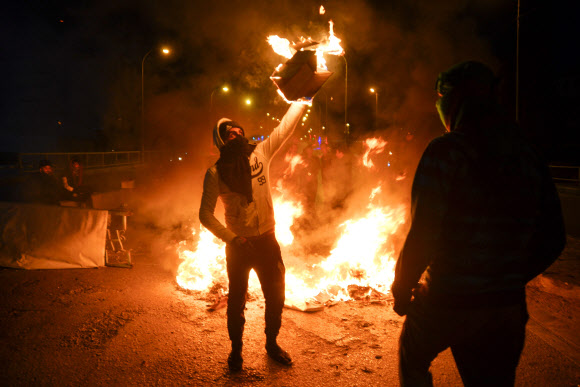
<point>374,146</point>
<point>363,253</point>
<point>330,45</point>
<point>293,161</point>
<point>322,10</point>
<point>286,212</point>
<point>362,256</point>
<point>280,46</point>
<point>307,102</point>
<point>200,268</point>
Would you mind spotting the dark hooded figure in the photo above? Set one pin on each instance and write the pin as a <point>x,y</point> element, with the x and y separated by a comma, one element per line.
<point>73,183</point>
<point>241,179</point>
<point>43,187</point>
<point>486,219</point>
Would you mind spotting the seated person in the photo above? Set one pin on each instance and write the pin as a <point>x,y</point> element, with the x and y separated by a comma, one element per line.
<point>73,184</point>
<point>44,186</point>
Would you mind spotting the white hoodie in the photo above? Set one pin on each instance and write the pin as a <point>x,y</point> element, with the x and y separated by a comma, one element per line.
<point>243,218</point>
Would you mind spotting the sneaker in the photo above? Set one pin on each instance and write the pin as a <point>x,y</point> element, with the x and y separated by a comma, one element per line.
<point>278,354</point>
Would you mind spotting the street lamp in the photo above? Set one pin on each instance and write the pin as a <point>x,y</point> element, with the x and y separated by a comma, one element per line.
<point>164,51</point>
<point>376,92</point>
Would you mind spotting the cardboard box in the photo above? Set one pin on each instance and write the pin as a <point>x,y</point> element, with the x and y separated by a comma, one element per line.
<point>298,78</point>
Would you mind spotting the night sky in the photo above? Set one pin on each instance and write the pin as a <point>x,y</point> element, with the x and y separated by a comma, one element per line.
<point>72,69</point>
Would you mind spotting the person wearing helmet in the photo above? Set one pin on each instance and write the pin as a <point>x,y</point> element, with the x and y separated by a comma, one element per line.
<point>241,179</point>
<point>486,219</point>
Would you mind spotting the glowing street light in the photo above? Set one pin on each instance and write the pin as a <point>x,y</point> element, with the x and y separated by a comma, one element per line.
<point>376,92</point>
<point>248,101</point>
<point>164,51</point>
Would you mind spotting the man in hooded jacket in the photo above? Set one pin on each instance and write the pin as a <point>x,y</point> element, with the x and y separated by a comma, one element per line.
<point>241,179</point>
<point>486,219</point>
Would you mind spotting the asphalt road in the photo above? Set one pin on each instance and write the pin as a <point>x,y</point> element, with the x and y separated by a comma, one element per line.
<point>116,326</point>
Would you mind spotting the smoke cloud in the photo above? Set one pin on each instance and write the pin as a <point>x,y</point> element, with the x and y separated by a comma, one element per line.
<point>398,47</point>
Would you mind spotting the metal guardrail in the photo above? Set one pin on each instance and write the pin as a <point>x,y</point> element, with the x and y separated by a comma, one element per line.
<point>29,162</point>
<point>565,174</point>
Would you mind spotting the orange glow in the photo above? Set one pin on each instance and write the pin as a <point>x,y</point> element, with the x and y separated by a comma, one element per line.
<point>362,254</point>
<point>280,46</point>
<point>329,45</point>
<point>373,146</point>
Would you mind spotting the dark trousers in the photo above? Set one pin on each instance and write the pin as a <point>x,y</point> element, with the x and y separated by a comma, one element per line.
<point>265,258</point>
<point>486,343</point>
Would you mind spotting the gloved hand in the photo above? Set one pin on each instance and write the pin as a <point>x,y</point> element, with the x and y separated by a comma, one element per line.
<point>242,242</point>
<point>402,300</point>
<point>401,306</point>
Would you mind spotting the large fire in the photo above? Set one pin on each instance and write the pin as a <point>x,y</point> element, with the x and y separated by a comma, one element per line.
<point>362,254</point>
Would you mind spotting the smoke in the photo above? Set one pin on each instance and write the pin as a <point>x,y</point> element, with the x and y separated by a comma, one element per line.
<point>397,47</point>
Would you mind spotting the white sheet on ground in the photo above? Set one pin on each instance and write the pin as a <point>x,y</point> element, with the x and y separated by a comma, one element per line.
<point>36,236</point>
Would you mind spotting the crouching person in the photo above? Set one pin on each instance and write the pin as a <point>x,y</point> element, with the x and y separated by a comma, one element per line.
<point>240,178</point>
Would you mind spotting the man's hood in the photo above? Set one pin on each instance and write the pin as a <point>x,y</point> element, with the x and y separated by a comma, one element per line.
<point>217,140</point>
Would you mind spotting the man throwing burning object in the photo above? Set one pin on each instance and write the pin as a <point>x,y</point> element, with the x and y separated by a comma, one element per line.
<point>240,177</point>
<point>486,219</point>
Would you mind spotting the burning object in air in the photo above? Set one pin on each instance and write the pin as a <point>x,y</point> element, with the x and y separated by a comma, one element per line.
<point>300,77</point>
<point>305,72</point>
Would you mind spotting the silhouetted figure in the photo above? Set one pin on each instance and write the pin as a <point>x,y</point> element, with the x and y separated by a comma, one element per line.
<point>241,179</point>
<point>44,187</point>
<point>74,184</point>
<point>486,219</point>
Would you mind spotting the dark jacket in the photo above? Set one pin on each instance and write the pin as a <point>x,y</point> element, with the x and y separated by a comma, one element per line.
<point>486,218</point>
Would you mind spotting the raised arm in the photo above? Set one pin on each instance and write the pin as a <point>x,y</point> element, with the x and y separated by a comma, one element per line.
<point>283,131</point>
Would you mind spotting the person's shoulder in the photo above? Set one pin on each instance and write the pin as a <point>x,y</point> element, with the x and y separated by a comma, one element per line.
<point>450,147</point>
<point>211,172</point>
<point>446,142</point>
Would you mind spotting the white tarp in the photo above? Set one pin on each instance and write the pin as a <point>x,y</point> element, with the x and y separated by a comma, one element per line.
<point>36,236</point>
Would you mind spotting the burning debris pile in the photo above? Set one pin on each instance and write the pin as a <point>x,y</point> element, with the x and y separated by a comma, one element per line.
<point>349,255</point>
<point>331,251</point>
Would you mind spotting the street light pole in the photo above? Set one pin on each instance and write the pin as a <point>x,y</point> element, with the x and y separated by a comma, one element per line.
<point>165,51</point>
<point>143,105</point>
<point>225,89</point>
<point>376,92</point>
<point>346,126</point>
<point>325,109</point>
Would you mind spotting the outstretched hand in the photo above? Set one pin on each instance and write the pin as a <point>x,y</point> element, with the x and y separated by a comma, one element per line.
<point>402,298</point>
